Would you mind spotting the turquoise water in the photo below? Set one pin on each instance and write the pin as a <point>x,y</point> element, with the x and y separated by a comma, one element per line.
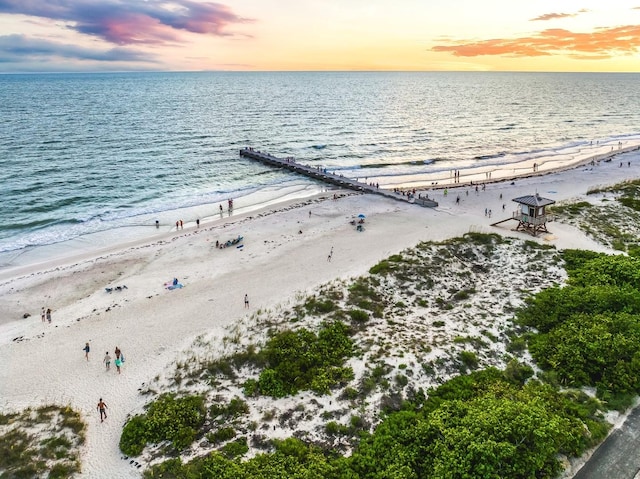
<point>85,154</point>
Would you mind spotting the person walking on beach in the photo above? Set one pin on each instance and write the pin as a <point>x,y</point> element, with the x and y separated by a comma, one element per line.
<point>86,351</point>
<point>102,407</point>
<point>49,315</point>
<point>246,301</point>
<point>107,360</point>
<point>43,315</point>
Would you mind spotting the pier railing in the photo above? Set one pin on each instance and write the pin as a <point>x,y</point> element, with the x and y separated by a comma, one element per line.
<point>323,175</point>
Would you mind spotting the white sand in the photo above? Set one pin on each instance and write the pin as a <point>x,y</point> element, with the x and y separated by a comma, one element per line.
<point>151,324</point>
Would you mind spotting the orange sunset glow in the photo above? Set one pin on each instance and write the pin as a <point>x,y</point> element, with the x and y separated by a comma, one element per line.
<point>247,35</point>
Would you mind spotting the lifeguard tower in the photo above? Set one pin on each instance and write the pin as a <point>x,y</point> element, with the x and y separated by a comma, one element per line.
<point>531,214</point>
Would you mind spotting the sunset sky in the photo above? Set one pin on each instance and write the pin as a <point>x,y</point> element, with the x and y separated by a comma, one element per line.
<point>258,35</point>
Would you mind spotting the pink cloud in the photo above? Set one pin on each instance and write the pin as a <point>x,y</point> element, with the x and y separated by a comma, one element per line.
<point>134,29</point>
<point>132,21</point>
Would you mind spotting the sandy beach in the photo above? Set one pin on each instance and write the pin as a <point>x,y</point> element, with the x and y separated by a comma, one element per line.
<point>284,254</point>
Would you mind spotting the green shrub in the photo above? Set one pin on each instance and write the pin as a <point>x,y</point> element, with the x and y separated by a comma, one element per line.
<point>134,436</point>
<point>235,448</point>
<point>385,266</point>
<point>167,419</point>
<point>517,345</point>
<point>221,435</point>
<point>517,373</point>
<point>301,360</point>
<point>469,359</point>
<point>317,306</point>
<point>402,380</point>
<point>271,384</point>
<point>350,393</point>
<point>358,315</point>
<point>250,388</point>
<point>63,470</point>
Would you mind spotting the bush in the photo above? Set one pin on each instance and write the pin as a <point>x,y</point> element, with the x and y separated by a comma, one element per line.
<point>235,448</point>
<point>517,373</point>
<point>402,380</point>
<point>134,436</point>
<point>167,419</point>
<point>250,388</point>
<point>221,435</point>
<point>469,359</point>
<point>358,315</point>
<point>317,306</point>
<point>301,360</point>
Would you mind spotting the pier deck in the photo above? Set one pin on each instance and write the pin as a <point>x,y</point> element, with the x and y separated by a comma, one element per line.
<point>337,180</point>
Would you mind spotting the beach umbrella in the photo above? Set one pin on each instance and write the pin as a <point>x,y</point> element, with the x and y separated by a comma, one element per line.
<point>361,216</point>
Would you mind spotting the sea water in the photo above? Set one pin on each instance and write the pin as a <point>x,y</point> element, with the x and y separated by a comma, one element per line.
<point>89,159</point>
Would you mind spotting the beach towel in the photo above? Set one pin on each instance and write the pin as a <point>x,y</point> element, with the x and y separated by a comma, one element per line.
<point>169,285</point>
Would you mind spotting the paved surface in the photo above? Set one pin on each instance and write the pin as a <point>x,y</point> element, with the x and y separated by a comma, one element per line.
<point>618,457</point>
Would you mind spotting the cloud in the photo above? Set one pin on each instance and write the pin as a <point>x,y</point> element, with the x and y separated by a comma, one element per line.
<point>126,22</point>
<point>552,16</point>
<point>602,43</point>
<point>21,49</point>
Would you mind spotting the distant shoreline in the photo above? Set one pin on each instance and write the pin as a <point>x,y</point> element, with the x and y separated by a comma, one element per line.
<point>543,168</point>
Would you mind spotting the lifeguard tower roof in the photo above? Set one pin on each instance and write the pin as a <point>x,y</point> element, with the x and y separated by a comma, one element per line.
<point>534,200</point>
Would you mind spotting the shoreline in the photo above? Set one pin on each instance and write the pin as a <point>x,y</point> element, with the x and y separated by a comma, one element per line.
<point>44,363</point>
<point>25,260</point>
<point>64,252</point>
<point>15,261</point>
<point>540,170</point>
<point>272,205</point>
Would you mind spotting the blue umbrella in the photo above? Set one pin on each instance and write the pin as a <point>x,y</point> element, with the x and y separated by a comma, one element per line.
<point>361,216</point>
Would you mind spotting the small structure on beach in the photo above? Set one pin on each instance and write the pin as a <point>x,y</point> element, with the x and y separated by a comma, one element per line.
<point>531,214</point>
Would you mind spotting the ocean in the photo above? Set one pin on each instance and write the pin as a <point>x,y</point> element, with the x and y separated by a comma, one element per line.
<point>87,160</point>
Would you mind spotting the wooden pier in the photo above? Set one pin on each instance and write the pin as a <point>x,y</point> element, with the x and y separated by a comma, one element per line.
<point>333,179</point>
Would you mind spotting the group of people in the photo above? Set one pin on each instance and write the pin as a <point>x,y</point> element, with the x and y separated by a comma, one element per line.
<point>118,362</point>
<point>45,315</point>
<point>102,406</point>
<point>228,243</point>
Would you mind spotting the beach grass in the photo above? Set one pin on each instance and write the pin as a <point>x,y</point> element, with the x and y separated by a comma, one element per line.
<point>611,216</point>
<point>42,441</point>
<point>394,373</point>
<point>405,327</point>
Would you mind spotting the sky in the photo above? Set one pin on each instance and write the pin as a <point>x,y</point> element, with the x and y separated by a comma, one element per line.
<point>319,35</point>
